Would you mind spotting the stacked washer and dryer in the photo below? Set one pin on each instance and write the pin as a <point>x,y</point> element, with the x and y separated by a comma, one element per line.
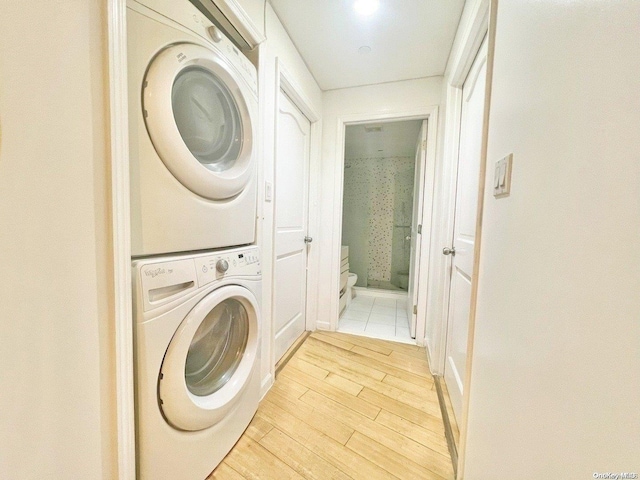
<point>196,271</point>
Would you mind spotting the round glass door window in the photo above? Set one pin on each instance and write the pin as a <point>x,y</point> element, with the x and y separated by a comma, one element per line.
<point>207,118</point>
<point>217,348</point>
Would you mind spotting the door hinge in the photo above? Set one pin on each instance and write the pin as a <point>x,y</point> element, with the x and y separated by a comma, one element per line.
<point>415,309</point>
<point>420,229</point>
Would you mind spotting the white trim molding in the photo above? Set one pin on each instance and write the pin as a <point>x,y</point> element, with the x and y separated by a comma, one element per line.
<point>464,423</point>
<point>119,138</point>
<point>468,41</point>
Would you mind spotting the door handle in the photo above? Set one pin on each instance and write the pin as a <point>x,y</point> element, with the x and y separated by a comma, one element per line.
<point>449,251</point>
<point>308,239</point>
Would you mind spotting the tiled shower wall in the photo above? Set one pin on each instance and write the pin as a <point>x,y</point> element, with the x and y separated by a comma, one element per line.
<point>376,216</point>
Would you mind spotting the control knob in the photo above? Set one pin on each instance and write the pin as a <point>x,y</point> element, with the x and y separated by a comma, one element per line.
<point>222,265</point>
<point>214,33</point>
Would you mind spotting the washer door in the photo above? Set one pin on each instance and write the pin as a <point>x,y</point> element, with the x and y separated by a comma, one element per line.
<point>209,361</point>
<point>199,120</point>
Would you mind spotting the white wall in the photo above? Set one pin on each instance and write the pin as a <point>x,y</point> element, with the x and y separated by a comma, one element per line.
<point>387,98</point>
<point>278,48</point>
<point>556,363</point>
<point>56,399</point>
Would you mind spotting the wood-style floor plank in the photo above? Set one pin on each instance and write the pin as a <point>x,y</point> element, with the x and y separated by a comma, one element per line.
<point>321,421</point>
<point>257,429</point>
<point>337,364</point>
<point>254,462</point>
<point>389,459</point>
<point>225,472</point>
<point>354,340</point>
<point>350,401</point>
<point>327,448</point>
<point>345,407</point>
<point>300,458</point>
<point>434,440</point>
<point>439,462</point>
<point>343,383</point>
<point>367,358</point>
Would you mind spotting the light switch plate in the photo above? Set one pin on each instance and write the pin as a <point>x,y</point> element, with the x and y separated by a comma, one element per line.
<point>502,177</point>
<point>268,191</point>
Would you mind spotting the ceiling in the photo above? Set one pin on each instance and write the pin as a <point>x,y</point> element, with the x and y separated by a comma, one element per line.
<point>396,139</point>
<point>408,39</point>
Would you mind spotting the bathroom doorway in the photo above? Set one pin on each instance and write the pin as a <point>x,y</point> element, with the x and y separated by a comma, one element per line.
<point>381,210</point>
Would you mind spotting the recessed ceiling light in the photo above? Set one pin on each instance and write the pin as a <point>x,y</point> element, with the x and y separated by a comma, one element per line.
<point>364,50</point>
<point>366,7</point>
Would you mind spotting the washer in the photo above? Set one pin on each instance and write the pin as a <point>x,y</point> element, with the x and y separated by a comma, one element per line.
<point>197,358</point>
<point>193,116</point>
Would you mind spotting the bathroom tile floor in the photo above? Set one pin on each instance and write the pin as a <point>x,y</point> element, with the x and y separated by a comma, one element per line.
<point>378,317</point>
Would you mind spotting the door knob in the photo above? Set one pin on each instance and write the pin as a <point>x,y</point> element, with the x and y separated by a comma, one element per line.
<point>308,239</point>
<point>449,251</point>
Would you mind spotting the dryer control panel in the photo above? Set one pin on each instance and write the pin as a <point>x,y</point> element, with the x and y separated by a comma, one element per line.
<point>190,18</point>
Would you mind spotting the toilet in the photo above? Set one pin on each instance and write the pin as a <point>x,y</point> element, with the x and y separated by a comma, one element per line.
<point>347,279</point>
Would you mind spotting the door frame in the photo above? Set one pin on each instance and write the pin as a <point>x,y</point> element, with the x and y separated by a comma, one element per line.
<point>460,66</point>
<point>481,23</point>
<point>415,262</point>
<point>431,115</point>
<point>285,82</point>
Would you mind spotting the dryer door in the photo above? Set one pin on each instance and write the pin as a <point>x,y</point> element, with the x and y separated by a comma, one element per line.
<point>210,359</point>
<point>198,114</point>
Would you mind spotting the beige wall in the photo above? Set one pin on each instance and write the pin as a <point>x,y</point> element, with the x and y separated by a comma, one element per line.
<point>56,402</point>
<point>403,96</point>
<point>556,363</point>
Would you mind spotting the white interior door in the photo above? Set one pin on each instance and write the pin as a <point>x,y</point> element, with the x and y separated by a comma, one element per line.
<point>462,258</point>
<point>291,209</point>
<point>418,203</point>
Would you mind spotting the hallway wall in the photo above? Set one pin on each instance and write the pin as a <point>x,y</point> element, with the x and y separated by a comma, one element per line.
<point>57,405</point>
<point>556,361</point>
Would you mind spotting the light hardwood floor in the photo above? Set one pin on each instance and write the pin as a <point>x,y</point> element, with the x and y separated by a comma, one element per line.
<point>345,407</point>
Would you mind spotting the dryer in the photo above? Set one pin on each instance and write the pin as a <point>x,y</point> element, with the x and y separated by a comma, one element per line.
<point>192,132</point>
<point>197,359</point>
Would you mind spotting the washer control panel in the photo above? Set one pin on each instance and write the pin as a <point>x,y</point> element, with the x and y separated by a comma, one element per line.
<point>163,280</point>
<point>242,262</point>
